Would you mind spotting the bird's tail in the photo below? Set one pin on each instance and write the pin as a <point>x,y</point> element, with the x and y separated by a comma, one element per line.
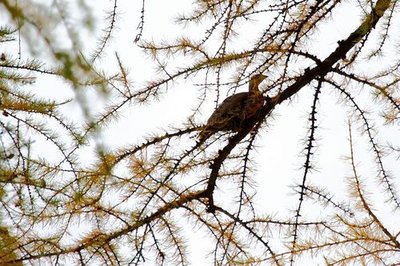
<point>204,134</point>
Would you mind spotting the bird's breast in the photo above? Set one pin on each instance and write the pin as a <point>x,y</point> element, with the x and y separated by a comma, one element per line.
<point>254,104</point>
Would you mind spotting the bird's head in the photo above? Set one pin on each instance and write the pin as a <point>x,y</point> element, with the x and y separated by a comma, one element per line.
<point>255,81</point>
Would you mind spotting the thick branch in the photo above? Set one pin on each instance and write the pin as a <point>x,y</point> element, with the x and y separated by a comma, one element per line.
<point>344,46</point>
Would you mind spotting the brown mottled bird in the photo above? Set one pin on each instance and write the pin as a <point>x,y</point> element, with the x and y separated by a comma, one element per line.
<point>235,110</point>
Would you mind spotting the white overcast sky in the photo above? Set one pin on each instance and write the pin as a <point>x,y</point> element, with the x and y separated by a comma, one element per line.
<point>278,157</point>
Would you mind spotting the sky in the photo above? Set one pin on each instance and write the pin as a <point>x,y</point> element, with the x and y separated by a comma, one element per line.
<point>280,144</point>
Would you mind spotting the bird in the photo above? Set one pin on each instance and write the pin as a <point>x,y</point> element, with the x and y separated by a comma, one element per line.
<point>235,110</point>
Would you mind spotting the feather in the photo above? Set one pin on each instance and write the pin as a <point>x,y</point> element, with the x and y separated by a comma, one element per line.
<point>235,110</point>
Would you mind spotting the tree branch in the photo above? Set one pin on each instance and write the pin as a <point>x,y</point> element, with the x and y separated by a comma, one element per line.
<point>340,53</point>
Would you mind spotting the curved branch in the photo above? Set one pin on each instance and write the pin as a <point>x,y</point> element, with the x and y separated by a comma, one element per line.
<point>340,53</point>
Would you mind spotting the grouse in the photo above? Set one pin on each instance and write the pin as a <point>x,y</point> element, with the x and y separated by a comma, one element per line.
<point>235,110</point>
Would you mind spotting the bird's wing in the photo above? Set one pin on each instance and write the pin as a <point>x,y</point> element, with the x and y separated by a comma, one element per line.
<point>230,107</point>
